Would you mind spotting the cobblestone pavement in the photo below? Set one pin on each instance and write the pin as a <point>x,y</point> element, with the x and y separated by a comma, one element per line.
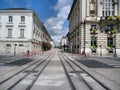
<point>107,66</point>
<point>105,70</point>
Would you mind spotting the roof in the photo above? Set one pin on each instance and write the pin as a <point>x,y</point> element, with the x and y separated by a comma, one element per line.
<point>73,5</point>
<point>14,9</point>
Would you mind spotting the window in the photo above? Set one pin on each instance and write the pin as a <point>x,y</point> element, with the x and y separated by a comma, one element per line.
<point>9,33</point>
<point>93,43</point>
<point>109,28</point>
<point>93,27</point>
<point>110,44</point>
<point>21,46</point>
<point>108,8</point>
<point>21,33</point>
<point>110,41</point>
<point>10,18</point>
<point>8,48</point>
<point>22,18</point>
<point>94,40</point>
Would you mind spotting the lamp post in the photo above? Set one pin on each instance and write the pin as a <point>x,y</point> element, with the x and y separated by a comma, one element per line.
<point>15,49</point>
<point>84,43</point>
<point>100,50</point>
<point>115,54</point>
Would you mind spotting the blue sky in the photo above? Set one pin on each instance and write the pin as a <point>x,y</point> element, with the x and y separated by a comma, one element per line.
<point>53,13</point>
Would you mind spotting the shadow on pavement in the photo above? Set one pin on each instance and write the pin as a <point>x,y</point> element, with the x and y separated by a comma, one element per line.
<point>19,62</point>
<point>94,64</point>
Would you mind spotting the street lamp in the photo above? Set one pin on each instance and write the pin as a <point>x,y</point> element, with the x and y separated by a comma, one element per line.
<point>84,44</point>
<point>115,54</point>
<point>15,49</point>
<point>100,50</point>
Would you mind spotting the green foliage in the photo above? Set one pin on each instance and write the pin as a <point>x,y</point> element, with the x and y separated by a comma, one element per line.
<point>93,47</point>
<point>110,47</point>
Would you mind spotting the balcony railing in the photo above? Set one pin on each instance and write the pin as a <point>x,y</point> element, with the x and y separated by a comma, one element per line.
<point>110,18</point>
<point>110,32</point>
<point>93,31</point>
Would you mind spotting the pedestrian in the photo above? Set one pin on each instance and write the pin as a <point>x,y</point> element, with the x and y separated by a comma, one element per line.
<point>83,54</point>
<point>28,53</point>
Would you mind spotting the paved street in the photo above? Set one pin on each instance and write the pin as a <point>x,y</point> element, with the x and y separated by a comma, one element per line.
<point>56,70</point>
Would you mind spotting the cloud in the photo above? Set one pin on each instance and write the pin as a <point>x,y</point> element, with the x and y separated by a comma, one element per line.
<point>62,3</point>
<point>55,25</point>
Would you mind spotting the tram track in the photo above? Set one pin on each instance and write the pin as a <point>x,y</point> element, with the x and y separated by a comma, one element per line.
<point>112,85</point>
<point>38,75</point>
<point>14,68</point>
<point>34,80</point>
<point>72,86</point>
<point>34,65</point>
<point>19,66</point>
<point>75,82</point>
<point>75,67</point>
<point>14,86</point>
<point>79,76</point>
<point>20,69</point>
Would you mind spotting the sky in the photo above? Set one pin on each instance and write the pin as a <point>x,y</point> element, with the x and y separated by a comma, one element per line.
<point>53,13</point>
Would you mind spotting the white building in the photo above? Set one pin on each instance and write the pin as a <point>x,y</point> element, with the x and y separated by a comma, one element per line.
<point>53,44</point>
<point>21,30</point>
<point>64,42</point>
<point>94,26</point>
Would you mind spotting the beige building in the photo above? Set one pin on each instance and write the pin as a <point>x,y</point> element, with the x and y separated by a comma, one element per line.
<point>21,30</point>
<point>94,26</point>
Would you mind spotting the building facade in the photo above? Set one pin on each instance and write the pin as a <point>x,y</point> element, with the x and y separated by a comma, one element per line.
<point>94,26</point>
<point>64,43</point>
<point>20,31</point>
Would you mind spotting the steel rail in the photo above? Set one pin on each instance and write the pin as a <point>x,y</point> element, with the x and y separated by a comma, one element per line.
<point>104,86</point>
<point>80,77</point>
<point>5,80</point>
<point>34,80</point>
<point>67,75</point>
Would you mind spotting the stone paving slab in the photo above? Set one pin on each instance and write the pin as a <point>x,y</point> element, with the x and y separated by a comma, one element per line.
<point>107,76</point>
<point>53,77</point>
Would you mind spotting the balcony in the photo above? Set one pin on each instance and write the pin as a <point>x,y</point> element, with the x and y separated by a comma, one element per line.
<point>110,19</point>
<point>110,32</point>
<point>93,31</point>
